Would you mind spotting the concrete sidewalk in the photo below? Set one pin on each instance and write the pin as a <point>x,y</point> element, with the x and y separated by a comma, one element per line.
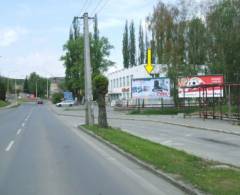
<point>193,122</point>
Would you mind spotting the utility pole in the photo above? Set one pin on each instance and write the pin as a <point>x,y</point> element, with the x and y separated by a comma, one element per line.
<point>47,88</point>
<point>89,115</point>
<point>36,89</point>
<point>15,89</point>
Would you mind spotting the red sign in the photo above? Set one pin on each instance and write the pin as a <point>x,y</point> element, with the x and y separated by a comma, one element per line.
<point>125,89</point>
<point>186,86</point>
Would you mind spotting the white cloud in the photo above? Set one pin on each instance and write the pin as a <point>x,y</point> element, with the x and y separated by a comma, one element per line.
<point>109,23</point>
<point>9,36</point>
<point>44,63</point>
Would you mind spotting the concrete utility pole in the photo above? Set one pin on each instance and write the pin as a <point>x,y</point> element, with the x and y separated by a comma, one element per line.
<point>15,89</point>
<point>89,115</point>
<point>36,89</point>
<point>47,88</point>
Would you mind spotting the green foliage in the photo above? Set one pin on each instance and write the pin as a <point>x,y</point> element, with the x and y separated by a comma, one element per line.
<point>163,111</point>
<point>25,86</point>
<point>141,45</point>
<point>224,39</point>
<point>125,47</point>
<point>100,83</point>
<point>2,89</point>
<point>57,97</point>
<point>132,45</point>
<point>199,172</point>
<point>74,57</point>
<point>37,82</point>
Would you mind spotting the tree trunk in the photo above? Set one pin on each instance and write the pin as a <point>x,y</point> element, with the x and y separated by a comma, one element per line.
<point>102,114</point>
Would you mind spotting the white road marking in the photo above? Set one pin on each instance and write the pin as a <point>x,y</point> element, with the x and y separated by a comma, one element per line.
<point>23,124</point>
<point>188,135</point>
<point>9,146</point>
<point>19,131</point>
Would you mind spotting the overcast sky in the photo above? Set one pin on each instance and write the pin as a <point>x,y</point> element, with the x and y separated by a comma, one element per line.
<point>32,33</point>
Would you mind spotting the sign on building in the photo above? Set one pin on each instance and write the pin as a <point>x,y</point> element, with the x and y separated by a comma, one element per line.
<point>186,86</point>
<point>151,88</point>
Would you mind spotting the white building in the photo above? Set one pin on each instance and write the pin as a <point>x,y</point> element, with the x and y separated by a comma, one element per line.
<point>119,87</point>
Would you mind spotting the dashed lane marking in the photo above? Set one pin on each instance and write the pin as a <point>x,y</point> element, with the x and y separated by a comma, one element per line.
<point>9,146</point>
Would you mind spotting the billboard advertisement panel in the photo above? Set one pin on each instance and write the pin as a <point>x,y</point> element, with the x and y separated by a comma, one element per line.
<point>200,80</point>
<point>68,95</point>
<point>151,88</point>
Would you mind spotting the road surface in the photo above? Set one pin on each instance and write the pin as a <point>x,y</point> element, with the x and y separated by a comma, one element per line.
<point>211,145</point>
<point>42,155</point>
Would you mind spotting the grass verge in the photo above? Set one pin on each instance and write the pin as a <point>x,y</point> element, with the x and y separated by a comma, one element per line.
<point>3,103</point>
<point>161,111</point>
<point>199,172</point>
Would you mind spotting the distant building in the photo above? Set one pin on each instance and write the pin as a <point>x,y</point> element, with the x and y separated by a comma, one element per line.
<point>120,81</point>
<point>55,85</point>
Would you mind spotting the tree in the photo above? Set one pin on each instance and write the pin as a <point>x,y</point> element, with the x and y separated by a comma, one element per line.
<point>100,51</point>
<point>100,84</point>
<point>142,53</point>
<point>39,83</point>
<point>125,47</point>
<point>2,89</point>
<point>224,39</point>
<point>132,45</point>
<point>196,43</point>
<point>73,58</point>
<point>25,86</point>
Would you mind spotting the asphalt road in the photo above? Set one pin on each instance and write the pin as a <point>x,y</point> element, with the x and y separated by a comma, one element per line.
<point>42,155</point>
<point>210,145</point>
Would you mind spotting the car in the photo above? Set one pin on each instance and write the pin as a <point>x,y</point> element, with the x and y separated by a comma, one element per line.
<point>65,103</point>
<point>39,101</point>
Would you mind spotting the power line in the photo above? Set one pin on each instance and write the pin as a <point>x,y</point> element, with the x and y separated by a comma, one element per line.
<point>96,7</point>
<point>101,8</point>
<point>88,5</point>
<point>83,7</point>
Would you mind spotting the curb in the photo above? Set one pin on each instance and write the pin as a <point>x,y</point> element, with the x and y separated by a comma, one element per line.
<point>163,122</point>
<point>179,184</point>
<point>10,106</point>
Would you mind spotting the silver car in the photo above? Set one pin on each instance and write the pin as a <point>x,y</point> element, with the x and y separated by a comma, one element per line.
<point>65,103</point>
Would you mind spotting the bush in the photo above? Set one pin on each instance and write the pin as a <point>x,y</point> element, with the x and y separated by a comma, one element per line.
<point>57,97</point>
<point>2,90</point>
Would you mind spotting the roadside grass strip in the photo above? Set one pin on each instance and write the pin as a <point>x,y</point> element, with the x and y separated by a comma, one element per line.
<point>3,103</point>
<point>208,176</point>
<point>161,111</point>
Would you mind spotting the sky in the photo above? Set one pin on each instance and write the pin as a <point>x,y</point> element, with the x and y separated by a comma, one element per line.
<point>32,33</point>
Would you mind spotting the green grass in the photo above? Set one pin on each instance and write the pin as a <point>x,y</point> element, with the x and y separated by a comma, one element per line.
<point>200,173</point>
<point>161,111</point>
<point>3,103</point>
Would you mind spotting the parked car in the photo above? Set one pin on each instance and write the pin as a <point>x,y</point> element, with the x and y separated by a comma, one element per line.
<point>65,103</point>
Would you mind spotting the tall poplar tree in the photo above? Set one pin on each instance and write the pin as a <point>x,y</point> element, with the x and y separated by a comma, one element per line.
<point>132,45</point>
<point>141,45</point>
<point>125,47</point>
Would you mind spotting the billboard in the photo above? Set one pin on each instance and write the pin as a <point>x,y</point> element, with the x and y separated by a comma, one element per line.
<point>200,80</point>
<point>151,88</point>
<point>68,95</point>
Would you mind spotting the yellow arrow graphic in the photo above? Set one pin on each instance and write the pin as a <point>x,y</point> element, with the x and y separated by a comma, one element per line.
<point>149,66</point>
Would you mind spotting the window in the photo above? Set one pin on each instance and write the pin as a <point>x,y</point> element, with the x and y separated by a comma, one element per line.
<point>124,84</point>
<point>120,82</point>
<point>128,83</point>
